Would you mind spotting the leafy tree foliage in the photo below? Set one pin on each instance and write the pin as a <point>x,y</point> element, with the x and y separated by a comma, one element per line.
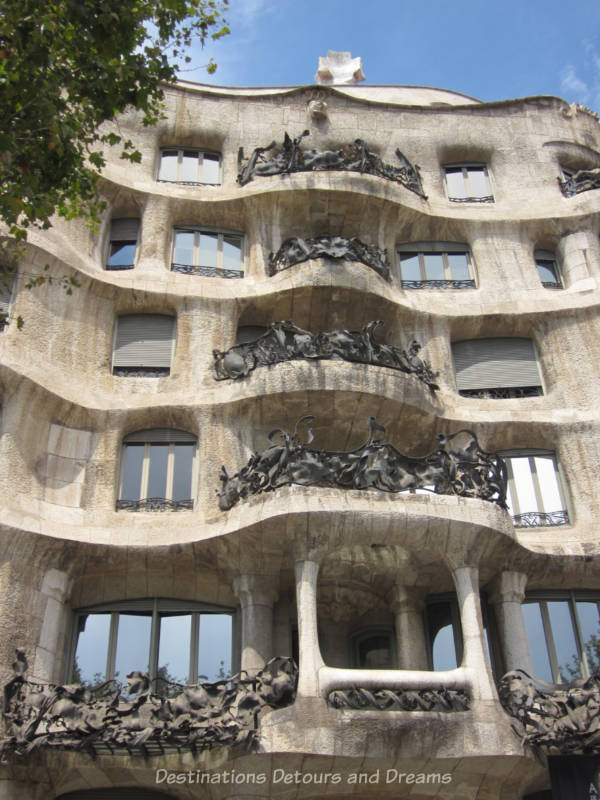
<point>66,67</point>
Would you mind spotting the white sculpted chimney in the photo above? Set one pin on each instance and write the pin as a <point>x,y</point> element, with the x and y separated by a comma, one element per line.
<point>339,68</point>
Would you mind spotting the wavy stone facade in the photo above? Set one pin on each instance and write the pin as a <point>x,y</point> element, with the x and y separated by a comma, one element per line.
<point>354,582</point>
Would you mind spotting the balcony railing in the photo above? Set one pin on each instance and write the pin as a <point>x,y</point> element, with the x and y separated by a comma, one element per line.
<point>207,272</point>
<point>439,284</point>
<point>502,393</point>
<point>540,519</point>
<point>154,504</point>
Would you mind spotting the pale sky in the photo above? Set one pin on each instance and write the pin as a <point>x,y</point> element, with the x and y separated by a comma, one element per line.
<point>492,51</point>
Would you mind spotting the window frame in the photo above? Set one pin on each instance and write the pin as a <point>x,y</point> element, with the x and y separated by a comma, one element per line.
<point>196,268</point>
<point>548,256</point>
<point>158,607</point>
<point>421,249</point>
<point>464,167</point>
<point>501,392</point>
<point>7,294</point>
<point>112,239</point>
<point>142,370</point>
<point>145,503</point>
<point>363,634</point>
<point>540,518</point>
<point>200,152</point>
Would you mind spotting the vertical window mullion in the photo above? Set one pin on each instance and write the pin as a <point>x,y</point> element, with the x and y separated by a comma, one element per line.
<point>550,642</point>
<point>512,487</point>
<point>111,655</point>
<point>446,262</point>
<point>145,471</point>
<point>179,164</point>
<point>536,484</point>
<point>467,181</point>
<point>154,641</point>
<point>170,472</point>
<point>200,167</point>
<point>194,644</point>
<point>585,670</point>
<point>422,266</point>
<point>196,258</point>
<point>220,251</point>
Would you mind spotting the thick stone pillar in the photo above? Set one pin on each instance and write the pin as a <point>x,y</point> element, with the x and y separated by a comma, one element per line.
<point>578,252</point>
<point>307,571</point>
<point>411,649</point>
<point>466,580</point>
<point>508,591</point>
<point>257,596</point>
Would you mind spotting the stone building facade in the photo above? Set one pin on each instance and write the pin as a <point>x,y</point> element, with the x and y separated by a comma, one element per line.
<point>384,553</point>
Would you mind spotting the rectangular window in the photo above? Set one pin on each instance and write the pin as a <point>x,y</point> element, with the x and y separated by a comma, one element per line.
<point>7,281</point>
<point>143,345</point>
<point>435,265</point>
<point>535,494</point>
<point>122,244</point>
<point>496,368</point>
<point>208,253</point>
<point>468,183</point>
<point>547,267</point>
<point>190,166</point>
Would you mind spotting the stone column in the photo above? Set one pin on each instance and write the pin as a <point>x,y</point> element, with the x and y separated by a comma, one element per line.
<point>407,604</point>
<point>307,571</point>
<point>466,580</point>
<point>257,596</point>
<point>508,591</point>
<point>578,252</point>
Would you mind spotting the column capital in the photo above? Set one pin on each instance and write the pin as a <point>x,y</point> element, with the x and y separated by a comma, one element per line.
<point>256,590</point>
<point>402,597</point>
<point>508,587</point>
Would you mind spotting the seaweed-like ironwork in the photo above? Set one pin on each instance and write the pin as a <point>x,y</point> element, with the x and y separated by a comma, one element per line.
<point>297,250</point>
<point>583,180</point>
<point>440,700</point>
<point>561,718</point>
<point>458,467</point>
<point>356,157</point>
<point>79,717</point>
<point>154,504</point>
<point>284,341</point>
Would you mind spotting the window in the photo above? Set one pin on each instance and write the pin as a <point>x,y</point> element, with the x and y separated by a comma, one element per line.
<point>563,630</point>
<point>374,649</point>
<point>173,640</point>
<point>208,253</point>
<point>548,271</point>
<point>468,183</point>
<point>122,244</point>
<point>435,265</point>
<point>192,167</point>
<point>157,470</point>
<point>444,633</point>
<point>143,345</point>
<point>496,368</point>
<point>7,281</point>
<point>535,493</point>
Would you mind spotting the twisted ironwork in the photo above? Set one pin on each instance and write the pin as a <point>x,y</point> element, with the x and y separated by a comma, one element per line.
<point>285,341</point>
<point>296,251</point>
<point>440,700</point>
<point>141,372</point>
<point>488,198</point>
<point>207,272</point>
<point>583,180</point>
<point>467,283</point>
<point>502,393</point>
<point>458,467</point>
<point>356,157</point>
<point>538,519</point>
<point>145,720</point>
<point>154,504</point>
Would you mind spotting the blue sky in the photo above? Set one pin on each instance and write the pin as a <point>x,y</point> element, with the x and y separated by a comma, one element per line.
<point>492,51</point>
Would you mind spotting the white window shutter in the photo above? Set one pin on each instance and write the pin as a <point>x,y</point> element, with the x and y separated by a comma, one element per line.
<point>144,340</point>
<point>495,364</point>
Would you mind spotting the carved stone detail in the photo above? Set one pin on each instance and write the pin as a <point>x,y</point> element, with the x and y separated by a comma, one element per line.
<point>458,467</point>
<point>99,719</point>
<point>285,341</point>
<point>356,157</point>
<point>581,181</point>
<point>561,718</point>
<point>440,700</point>
<point>296,251</point>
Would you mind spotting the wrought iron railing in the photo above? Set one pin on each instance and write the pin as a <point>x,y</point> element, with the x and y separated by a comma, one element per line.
<point>438,284</point>
<point>141,372</point>
<point>436,700</point>
<point>486,199</point>
<point>502,393</point>
<point>552,284</point>
<point>540,519</point>
<point>118,267</point>
<point>154,504</point>
<point>187,183</point>
<point>207,272</point>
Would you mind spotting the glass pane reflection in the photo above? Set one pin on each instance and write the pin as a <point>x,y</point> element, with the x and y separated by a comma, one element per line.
<point>174,648</point>
<point>133,644</point>
<point>214,646</point>
<point>92,649</point>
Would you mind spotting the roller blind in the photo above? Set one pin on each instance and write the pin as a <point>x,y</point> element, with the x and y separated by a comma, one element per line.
<point>144,340</point>
<point>160,435</point>
<point>124,230</point>
<point>6,284</point>
<point>495,364</point>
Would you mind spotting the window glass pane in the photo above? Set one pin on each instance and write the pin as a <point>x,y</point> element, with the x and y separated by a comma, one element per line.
<point>434,266</point>
<point>455,182</point>
<point>548,480</point>
<point>537,641</point>
<point>375,652</point>
<point>459,266</point>
<point>182,473</point>
<point>547,271</point>
<point>479,183</point>
<point>214,646</point>
<point>523,485</point>
<point>132,471</point>
<point>564,639</point>
<point>444,651</point>
<point>210,168</point>
<point>168,166</point>
<point>232,252</point>
<point>409,267</point>
<point>157,474</point>
<point>133,644</point>
<point>121,254</point>
<point>174,648</point>
<point>184,247</point>
<point>208,249</point>
<point>92,649</point>
<point>189,167</point>
<point>589,622</point>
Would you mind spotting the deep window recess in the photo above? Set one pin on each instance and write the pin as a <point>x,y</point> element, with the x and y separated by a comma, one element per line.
<point>535,493</point>
<point>158,470</point>
<point>435,265</point>
<point>143,345</point>
<point>496,368</point>
<point>173,640</point>
<point>122,244</point>
<point>249,333</point>
<point>563,629</point>
<point>190,166</point>
<point>7,281</point>
<point>209,253</point>
<point>373,648</point>
<point>468,183</point>
<point>548,270</point>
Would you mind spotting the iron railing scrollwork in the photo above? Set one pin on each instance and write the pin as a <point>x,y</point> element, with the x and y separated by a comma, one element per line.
<point>437,700</point>
<point>583,180</point>
<point>154,504</point>
<point>540,519</point>
<point>141,372</point>
<point>552,284</point>
<point>207,272</point>
<point>499,393</point>
<point>298,250</point>
<point>486,199</point>
<point>285,341</point>
<point>467,283</point>
<point>118,267</point>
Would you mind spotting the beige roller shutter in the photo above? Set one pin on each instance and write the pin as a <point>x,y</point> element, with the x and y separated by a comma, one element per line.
<point>144,340</point>
<point>495,364</point>
<point>124,230</point>
<point>160,435</point>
